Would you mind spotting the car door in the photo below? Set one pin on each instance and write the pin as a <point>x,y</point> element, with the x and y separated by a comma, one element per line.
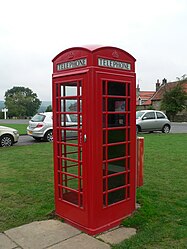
<point>161,120</point>
<point>149,121</point>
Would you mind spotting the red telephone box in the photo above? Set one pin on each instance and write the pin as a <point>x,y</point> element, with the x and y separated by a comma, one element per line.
<point>94,109</point>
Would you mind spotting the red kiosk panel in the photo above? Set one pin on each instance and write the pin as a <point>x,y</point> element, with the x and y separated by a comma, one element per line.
<point>94,136</point>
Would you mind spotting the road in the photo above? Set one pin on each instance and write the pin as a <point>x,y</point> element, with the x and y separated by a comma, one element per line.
<point>178,127</point>
<point>27,140</point>
<point>14,121</point>
<point>175,127</point>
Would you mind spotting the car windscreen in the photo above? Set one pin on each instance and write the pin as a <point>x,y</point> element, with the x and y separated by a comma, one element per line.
<point>139,114</point>
<point>38,118</point>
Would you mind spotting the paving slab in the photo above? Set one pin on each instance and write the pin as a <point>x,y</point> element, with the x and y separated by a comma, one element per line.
<point>117,235</point>
<point>82,241</point>
<point>54,234</point>
<point>41,234</point>
<point>6,243</point>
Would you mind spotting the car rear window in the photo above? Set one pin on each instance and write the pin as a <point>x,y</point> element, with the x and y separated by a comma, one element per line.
<point>160,115</point>
<point>38,118</point>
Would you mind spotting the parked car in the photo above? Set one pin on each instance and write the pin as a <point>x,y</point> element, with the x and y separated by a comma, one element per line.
<point>41,126</point>
<point>8,136</point>
<point>152,120</point>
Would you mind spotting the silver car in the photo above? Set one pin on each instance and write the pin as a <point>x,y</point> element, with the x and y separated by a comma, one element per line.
<point>8,136</point>
<point>151,120</point>
<point>41,126</point>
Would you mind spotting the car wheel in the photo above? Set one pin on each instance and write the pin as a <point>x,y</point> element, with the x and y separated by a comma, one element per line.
<point>6,140</point>
<point>138,129</point>
<point>48,136</point>
<point>166,129</point>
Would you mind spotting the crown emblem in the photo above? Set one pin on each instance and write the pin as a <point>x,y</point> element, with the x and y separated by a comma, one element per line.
<point>115,54</point>
<point>70,55</point>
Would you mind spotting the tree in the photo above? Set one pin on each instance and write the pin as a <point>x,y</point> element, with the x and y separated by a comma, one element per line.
<point>49,108</point>
<point>182,78</point>
<point>21,102</point>
<point>174,100</point>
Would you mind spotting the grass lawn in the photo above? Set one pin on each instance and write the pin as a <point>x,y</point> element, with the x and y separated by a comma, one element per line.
<point>162,219</point>
<point>22,128</point>
<point>26,184</point>
<point>26,191</point>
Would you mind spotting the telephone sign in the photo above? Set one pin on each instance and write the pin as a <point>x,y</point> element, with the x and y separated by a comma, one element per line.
<point>114,64</point>
<point>72,64</point>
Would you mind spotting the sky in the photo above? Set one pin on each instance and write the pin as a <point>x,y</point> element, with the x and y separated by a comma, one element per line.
<point>33,32</point>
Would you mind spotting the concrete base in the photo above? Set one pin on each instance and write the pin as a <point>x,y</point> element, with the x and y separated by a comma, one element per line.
<point>117,235</point>
<point>53,234</point>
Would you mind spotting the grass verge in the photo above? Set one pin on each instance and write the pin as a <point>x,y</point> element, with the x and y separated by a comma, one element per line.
<point>26,191</point>
<point>26,184</point>
<point>162,219</point>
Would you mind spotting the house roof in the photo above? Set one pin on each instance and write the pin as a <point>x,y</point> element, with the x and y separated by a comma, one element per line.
<point>166,87</point>
<point>147,102</point>
<point>144,96</point>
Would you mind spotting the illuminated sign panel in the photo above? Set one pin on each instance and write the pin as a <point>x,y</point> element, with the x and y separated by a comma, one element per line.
<point>101,62</point>
<point>72,64</point>
<point>114,64</point>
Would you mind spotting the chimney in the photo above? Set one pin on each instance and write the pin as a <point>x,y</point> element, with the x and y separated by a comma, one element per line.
<point>157,85</point>
<point>137,90</point>
<point>164,81</point>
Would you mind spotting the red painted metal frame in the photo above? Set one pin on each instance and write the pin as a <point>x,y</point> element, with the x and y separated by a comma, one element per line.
<point>140,161</point>
<point>93,213</point>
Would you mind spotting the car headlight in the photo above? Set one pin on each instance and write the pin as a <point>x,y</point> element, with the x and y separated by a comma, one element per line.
<point>15,132</point>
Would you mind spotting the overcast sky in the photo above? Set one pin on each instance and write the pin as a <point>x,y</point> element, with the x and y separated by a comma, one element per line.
<point>33,32</point>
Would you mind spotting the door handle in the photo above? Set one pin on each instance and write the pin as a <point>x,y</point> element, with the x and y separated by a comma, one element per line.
<point>85,138</point>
